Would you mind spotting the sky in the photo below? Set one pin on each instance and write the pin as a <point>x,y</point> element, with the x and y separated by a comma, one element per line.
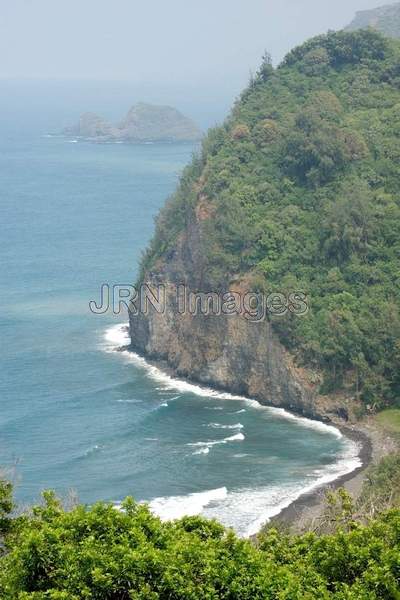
<point>164,51</point>
<point>157,40</point>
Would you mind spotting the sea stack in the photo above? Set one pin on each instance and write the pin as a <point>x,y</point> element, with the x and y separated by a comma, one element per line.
<point>143,123</point>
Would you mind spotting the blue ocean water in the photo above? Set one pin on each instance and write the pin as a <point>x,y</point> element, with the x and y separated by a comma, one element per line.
<point>76,414</point>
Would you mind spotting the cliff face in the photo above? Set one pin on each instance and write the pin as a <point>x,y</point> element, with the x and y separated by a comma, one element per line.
<point>385,19</point>
<point>296,191</point>
<point>224,351</point>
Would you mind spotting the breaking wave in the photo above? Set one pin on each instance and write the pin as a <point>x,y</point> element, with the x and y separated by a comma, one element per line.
<point>117,338</point>
<point>246,509</point>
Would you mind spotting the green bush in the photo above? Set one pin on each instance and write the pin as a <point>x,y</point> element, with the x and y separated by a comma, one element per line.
<point>102,553</point>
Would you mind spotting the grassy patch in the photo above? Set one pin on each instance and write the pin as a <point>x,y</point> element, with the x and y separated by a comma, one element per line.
<point>390,420</point>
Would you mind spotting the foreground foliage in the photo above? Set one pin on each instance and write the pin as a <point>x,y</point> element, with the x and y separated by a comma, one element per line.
<point>301,185</point>
<point>103,553</point>
<point>382,486</point>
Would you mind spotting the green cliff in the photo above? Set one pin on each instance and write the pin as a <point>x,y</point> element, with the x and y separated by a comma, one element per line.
<point>297,190</point>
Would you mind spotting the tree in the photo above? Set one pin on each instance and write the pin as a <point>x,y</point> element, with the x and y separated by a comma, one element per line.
<point>6,506</point>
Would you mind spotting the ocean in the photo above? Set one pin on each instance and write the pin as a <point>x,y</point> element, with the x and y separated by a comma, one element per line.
<point>75,413</point>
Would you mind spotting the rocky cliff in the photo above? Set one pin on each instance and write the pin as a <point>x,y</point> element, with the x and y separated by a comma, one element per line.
<point>385,19</point>
<point>228,352</point>
<point>143,123</point>
<point>296,191</point>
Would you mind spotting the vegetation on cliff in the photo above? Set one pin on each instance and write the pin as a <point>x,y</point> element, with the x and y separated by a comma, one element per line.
<point>301,190</point>
<point>102,553</point>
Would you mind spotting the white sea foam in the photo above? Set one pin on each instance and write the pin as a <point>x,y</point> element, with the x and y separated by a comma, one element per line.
<point>246,510</point>
<point>129,401</point>
<point>174,507</point>
<point>238,437</point>
<point>117,336</point>
<point>310,423</point>
<point>204,450</point>
<point>205,446</point>
<point>171,383</point>
<point>220,426</point>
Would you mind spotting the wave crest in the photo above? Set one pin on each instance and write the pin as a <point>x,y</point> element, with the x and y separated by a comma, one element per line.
<point>221,426</point>
<point>174,507</point>
<point>117,337</point>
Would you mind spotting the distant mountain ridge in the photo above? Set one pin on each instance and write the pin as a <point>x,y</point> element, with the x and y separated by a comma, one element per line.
<point>385,19</point>
<point>143,123</point>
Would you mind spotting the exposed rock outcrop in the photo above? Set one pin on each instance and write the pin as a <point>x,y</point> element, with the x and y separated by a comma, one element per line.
<point>293,192</point>
<point>91,125</point>
<point>143,123</point>
<point>157,123</point>
<point>224,351</point>
<point>385,19</point>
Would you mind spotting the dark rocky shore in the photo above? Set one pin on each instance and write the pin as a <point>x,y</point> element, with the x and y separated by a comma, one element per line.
<point>308,508</point>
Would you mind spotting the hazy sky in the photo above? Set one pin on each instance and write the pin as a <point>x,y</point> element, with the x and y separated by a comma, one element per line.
<point>167,41</point>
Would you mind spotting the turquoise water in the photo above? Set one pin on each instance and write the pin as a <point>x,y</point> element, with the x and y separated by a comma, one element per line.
<point>76,414</point>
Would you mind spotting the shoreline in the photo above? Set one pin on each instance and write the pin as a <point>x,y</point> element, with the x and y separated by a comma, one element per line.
<point>373,445</point>
<point>301,514</point>
<point>310,505</point>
